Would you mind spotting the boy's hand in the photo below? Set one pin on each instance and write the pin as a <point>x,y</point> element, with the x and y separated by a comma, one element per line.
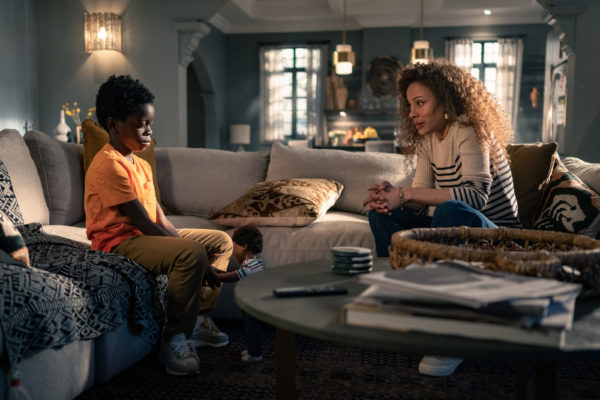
<point>211,279</point>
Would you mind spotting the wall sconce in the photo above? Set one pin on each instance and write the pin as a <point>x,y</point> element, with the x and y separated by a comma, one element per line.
<point>102,31</point>
<point>239,134</point>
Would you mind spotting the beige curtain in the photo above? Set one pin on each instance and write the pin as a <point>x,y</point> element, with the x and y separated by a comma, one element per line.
<point>272,91</point>
<point>271,94</point>
<point>508,76</point>
<point>459,52</point>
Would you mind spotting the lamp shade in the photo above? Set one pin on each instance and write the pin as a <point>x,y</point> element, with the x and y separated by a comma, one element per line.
<point>343,59</point>
<point>421,52</point>
<point>102,31</point>
<point>239,134</point>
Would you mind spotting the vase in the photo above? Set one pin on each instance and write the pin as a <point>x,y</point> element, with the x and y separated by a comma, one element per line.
<point>62,130</point>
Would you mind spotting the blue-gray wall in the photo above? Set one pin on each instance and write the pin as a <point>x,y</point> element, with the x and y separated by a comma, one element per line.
<point>243,68</point>
<point>18,78</point>
<point>43,65</point>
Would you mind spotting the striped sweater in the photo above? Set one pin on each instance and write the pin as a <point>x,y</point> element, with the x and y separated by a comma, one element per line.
<point>458,163</point>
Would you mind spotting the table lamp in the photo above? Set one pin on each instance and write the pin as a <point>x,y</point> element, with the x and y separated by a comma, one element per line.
<point>239,134</point>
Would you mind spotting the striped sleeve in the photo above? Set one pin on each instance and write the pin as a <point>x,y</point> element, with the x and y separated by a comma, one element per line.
<point>469,178</point>
<point>423,174</point>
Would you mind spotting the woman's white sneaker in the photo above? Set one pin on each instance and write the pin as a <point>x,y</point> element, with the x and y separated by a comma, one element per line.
<point>438,366</point>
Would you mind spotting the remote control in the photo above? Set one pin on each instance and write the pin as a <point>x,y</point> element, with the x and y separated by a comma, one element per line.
<point>308,291</point>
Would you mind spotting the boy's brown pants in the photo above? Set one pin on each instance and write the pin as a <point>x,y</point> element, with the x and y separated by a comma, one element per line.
<point>184,260</point>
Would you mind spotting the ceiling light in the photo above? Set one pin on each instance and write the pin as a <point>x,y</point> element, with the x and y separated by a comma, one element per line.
<point>487,12</point>
<point>343,56</point>
<point>421,52</point>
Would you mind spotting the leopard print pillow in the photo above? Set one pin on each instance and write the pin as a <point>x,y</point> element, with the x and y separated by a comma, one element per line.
<point>286,202</point>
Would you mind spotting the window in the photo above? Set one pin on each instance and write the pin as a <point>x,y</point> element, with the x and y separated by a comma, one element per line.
<point>496,62</point>
<point>291,95</point>
<point>485,55</point>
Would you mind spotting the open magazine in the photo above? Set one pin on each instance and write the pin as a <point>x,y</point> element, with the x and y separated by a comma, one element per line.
<point>468,285</point>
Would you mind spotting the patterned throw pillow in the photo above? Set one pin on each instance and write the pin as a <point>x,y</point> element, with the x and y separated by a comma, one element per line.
<point>11,240</point>
<point>286,202</point>
<point>8,200</point>
<point>570,205</point>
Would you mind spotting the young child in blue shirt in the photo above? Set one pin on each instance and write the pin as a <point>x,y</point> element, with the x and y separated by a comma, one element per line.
<point>247,244</point>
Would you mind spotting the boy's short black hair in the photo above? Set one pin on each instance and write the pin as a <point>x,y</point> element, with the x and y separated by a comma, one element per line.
<point>120,97</point>
<point>249,236</point>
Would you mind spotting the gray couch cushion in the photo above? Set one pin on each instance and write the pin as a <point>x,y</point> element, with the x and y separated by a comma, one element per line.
<point>117,350</point>
<point>19,176</point>
<point>589,173</point>
<point>60,167</point>
<point>287,245</point>
<point>201,181</point>
<point>57,374</point>
<point>356,171</point>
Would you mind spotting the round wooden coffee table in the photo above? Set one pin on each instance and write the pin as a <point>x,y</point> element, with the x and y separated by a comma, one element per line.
<point>320,317</point>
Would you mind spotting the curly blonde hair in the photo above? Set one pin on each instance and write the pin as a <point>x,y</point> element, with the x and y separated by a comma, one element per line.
<point>458,93</point>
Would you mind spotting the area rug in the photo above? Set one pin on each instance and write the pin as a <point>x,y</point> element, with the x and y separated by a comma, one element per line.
<point>327,371</point>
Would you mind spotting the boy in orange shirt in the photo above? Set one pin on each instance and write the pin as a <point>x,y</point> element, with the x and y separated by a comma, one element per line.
<point>123,217</point>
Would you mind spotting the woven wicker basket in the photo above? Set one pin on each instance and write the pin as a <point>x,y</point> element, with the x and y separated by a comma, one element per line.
<point>557,255</point>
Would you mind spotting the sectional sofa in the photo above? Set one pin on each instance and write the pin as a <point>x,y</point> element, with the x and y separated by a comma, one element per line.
<point>46,178</point>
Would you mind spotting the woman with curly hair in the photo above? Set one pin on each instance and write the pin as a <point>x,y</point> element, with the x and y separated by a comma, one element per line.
<point>459,134</point>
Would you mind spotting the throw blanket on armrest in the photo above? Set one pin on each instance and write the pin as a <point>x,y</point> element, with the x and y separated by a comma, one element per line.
<point>72,293</point>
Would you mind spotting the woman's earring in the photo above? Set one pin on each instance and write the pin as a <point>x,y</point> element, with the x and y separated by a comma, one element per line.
<point>446,116</point>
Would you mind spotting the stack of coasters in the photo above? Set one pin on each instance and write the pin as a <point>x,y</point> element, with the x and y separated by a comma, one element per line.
<point>348,260</point>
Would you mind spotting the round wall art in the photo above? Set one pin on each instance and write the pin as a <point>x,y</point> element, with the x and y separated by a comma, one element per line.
<point>381,76</point>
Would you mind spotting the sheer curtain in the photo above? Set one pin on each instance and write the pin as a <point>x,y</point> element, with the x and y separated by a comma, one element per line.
<point>508,76</point>
<point>315,96</point>
<point>460,53</point>
<point>274,87</point>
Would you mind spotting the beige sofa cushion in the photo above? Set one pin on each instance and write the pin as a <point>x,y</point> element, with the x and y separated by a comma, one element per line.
<point>22,198</point>
<point>286,245</point>
<point>589,173</point>
<point>355,170</point>
<point>60,167</point>
<point>202,181</point>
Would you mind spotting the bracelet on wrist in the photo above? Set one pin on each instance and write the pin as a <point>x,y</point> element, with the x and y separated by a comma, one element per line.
<point>401,199</point>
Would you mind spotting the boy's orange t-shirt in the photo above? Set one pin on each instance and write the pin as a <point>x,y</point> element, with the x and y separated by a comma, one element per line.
<point>112,180</point>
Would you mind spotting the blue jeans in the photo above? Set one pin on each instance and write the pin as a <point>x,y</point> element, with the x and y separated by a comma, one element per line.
<point>448,214</point>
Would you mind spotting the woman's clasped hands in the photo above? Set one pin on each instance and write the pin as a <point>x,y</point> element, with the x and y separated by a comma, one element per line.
<point>384,197</point>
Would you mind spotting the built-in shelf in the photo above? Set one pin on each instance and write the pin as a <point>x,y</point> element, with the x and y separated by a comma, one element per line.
<point>383,120</point>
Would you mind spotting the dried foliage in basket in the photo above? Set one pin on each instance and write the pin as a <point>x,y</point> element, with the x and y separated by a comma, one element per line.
<point>558,255</point>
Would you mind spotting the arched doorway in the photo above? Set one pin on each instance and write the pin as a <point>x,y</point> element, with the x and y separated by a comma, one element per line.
<point>201,111</point>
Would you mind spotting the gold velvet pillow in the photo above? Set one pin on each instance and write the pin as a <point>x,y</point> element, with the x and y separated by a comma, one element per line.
<point>531,165</point>
<point>95,137</point>
<point>286,202</point>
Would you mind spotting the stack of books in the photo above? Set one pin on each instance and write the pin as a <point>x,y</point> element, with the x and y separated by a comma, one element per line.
<point>455,298</point>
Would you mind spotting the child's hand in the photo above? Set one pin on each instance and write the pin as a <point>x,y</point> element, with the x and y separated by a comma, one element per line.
<point>211,279</point>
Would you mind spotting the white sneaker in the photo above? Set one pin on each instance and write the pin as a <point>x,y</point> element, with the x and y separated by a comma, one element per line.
<point>206,333</point>
<point>179,356</point>
<point>438,366</point>
<point>247,358</point>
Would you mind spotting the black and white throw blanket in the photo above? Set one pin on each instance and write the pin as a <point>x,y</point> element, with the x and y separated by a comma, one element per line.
<point>73,293</point>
